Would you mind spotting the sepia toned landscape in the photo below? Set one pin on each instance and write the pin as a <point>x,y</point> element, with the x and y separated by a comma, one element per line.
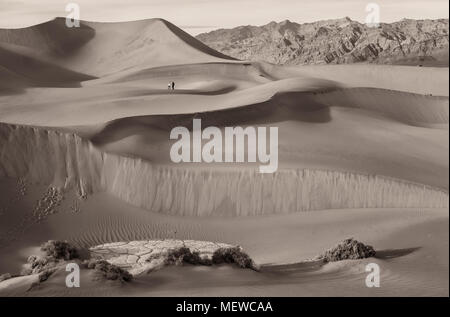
<point>363,152</point>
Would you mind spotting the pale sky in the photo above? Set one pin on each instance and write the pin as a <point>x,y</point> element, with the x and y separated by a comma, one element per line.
<point>196,16</point>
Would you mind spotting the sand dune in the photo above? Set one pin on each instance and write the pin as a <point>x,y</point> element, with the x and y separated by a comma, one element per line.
<point>77,164</point>
<point>99,104</point>
<point>98,49</point>
<point>302,235</point>
<point>410,108</point>
<point>429,80</point>
<point>217,86</point>
<point>10,81</point>
<point>34,72</point>
<point>52,37</point>
<point>85,116</point>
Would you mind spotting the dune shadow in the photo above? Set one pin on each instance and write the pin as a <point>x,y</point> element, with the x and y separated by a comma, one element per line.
<point>394,253</point>
<point>269,112</point>
<point>12,91</point>
<point>156,92</point>
<point>307,266</point>
<point>30,71</point>
<point>265,113</point>
<point>84,254</point>
<point>315,265</point>
<point>154,280</point>
<point>21,89</point>
<point>222,91</point>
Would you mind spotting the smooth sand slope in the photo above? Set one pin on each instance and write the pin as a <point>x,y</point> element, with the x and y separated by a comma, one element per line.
<point>98,49</point>
<point>85,117</point>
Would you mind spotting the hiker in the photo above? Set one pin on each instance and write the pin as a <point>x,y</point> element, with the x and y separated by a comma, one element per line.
<point>173,85</point>
<point>169,85</point>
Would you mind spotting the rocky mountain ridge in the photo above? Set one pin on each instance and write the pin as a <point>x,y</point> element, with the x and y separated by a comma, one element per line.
<point>339,41</point>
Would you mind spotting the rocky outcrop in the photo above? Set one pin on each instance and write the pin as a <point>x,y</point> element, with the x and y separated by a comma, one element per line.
<point>336,41</point>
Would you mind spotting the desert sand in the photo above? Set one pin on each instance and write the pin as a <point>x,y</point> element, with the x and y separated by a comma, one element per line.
<point>85,117</point>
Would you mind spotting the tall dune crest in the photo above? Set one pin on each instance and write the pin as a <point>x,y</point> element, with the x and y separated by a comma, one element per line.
<point>98,49</point>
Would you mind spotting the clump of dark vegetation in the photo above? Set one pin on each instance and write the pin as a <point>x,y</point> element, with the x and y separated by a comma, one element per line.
<point>60,250</point>
<point>183,255</point>
<point>36,264</point>
<point>4,277</point>
<point>55,252</point>
<point>232,255</point>
<point>108,271</point>
<point>349,249</point>
<point>44,275</point>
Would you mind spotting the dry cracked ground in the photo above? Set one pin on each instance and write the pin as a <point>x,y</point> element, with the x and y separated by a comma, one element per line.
<point>147,255</point>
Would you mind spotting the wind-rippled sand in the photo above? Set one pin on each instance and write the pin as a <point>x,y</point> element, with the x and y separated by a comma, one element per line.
<point>411,248</point>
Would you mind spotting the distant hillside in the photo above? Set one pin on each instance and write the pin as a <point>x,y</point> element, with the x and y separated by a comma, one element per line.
<point>338,41</point>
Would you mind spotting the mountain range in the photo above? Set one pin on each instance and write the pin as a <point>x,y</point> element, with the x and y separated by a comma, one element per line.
<point>338,41</point>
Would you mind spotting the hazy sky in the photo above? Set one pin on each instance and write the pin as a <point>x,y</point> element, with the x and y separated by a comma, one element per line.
<point>196,16</point>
